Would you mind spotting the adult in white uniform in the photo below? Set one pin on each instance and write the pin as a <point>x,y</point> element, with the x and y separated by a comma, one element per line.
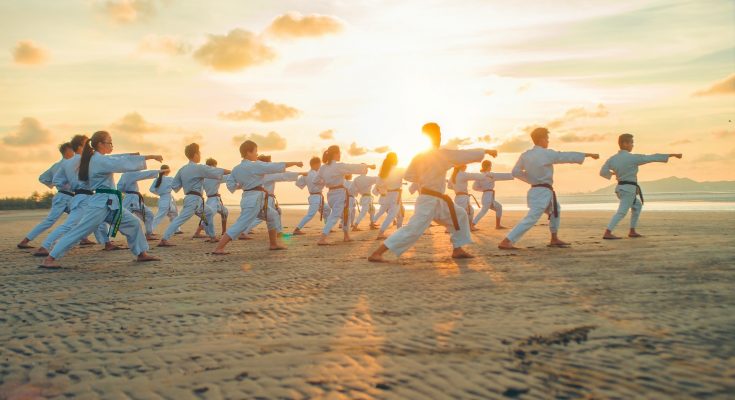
<point>248,176</point>
<point>429,171</point>
<point>316,197</point>
<point>536,167</point>
<point>332,174</point>
<point>624,165</point>
<point>486,185</point>
<point>60,202</point>
<point>97,169</point>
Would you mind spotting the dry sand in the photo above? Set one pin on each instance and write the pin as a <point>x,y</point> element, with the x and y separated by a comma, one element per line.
<point>651,317</point>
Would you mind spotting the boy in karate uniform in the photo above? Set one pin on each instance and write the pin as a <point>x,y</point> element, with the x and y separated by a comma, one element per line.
<point>269,184</point>
<point>624,165</point>
<point>486,185</point>
<point>363,185</point>
<point>133,200</point>
<point>459,182</point>
<point>429,171</point>
<point>166,204</point>
<point>191,177</point>
<point>59,204</point>
<point>316,197</point>
<point>214,200</point>
<point>536,167</point>
<point>249,176</point>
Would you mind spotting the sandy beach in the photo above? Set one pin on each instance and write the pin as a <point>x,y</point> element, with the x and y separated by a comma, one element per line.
<point>644,318</point>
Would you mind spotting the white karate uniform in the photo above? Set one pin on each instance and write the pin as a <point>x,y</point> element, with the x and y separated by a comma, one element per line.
<point>429,171</point>
<point>332,175</point>
<point>625,167</point>
<point>461,190</point>
<point>133,198</point>
<point>380,191</point>
<point>486,185</point>
<point>269,183</point>
<point>59,204</point>
<point>393,187</point>
<point>166,203</point>
<point>316,198</point>
<point>68,175</point>
<point>535,167</point>
<point>103,207</point>
<point>363,185</point>
<point>247,176</point>
<point>352,193</point>
<point>191,177</point>
<point>211,188</point>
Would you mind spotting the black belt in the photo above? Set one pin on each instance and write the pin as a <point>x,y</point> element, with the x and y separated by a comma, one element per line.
<point>202,216</point>
<point>66,192</point>
<point>638,190</point>
<point>141,203</point>
<point>83,191</point>
<point>321,203</point>
<point>209,196</point>
<point>555,205</point>
<point>488,190</point>
<point>265,199</point>
<point>448,200</point>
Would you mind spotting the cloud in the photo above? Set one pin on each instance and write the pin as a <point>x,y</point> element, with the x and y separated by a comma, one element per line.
<point>514,145</point>
<point>576,113</point>
<point>725,86</point>
<point>164,44</point>
<point>127,11</point>
<point>723,134</point>
<point>237,50</point>
<point>679,142</point>
<point>484,139</point>
<point>29,133</point>
<point>270,142</point>
<point>712,157</point>
<point>27,52</point>
<point>327,135</point>
<point>454,143</point>
<point>12,156</point>
<point>382,149</point>
<point>295,25</point>
<point>263,111</point>
<point>523,88</point>
<point>134,123</point>
<point>355,150</point>
<point>574,138</point>
<point>193,138</point>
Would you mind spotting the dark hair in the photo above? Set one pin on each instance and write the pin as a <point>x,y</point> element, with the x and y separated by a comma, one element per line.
<point>432,130</point>
<point>315,160</point>
<point>164,168</point>
<point>487,164</point>
<point>264,158</point>
<point>247,147</point>
<point>390,161</point>
<point>624,138</point>
<point>190,150</point>
<point>78,141</point>
<point>332,151</point>
<point>538,134</point>
<point>96,139</point>
<point>63,147</point>
<point>211,162</point>
<point>457,168</point>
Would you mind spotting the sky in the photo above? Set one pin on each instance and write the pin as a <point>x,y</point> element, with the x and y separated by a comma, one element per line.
<point>298,76</point>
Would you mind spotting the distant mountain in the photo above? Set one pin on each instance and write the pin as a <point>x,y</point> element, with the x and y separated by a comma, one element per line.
<point>677,185</point>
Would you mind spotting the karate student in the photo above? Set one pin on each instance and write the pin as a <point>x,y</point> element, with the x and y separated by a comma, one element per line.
<point>460,183</point>
<point>166,203</point>
<point>248,176</point>
<point>316,197</point>
<point>68,175</point>
<point>429,171</point>
<point>624,165</point>
<point>269,184</point>
<point>133,200</point>
<point>191,177</point>
<point>390,178</point>
<point>363,185</point>
<point>60,202</point>
<point>97,169</point>
<point>332,174</point>
<point>352,196</point>
<point>536,167</point>
<point>214,200</point>
<point>486,185</point>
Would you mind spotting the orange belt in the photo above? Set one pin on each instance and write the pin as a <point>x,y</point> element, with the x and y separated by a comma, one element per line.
<point>321,203</point>
<point>265,199</point>
<point>346,211</point>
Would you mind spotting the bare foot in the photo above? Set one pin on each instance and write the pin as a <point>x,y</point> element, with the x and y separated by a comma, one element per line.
<point>635,235</point>
<point>461,253</point>
<point>507,245</point>
<point>323,242</point>
<point>347,239</point>
<point>212,240</point>
<point>298,232</point>
<point>500,227</point>
<point>145,257</point>
<point>165,243</point>
<point>356,229</point>
<point>199,236</point>
<point>244,237</point>
<point>84,242</point>
<point>24,244</point>
<point>112,247</point>
<point>41,252</point>
<point>381,237</point>
<point>49,262</point>
<point>610,236</point>
<point>474,229</point>
<point>376,258</point>
<point>558,243</point>
<point>373,227</point>
<point>220,253</point>
<point>277,247</point>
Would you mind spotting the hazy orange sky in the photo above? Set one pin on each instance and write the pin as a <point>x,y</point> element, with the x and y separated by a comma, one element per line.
<point>298,76</point>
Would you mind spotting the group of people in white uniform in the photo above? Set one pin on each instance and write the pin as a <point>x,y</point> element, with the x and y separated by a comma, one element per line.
<point>86,190</point>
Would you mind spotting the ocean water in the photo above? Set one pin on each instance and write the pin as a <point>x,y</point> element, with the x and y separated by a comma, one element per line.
<point>704,201</point>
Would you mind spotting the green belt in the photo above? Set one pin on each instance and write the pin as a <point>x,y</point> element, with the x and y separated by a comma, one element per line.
<point>118,214</point>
